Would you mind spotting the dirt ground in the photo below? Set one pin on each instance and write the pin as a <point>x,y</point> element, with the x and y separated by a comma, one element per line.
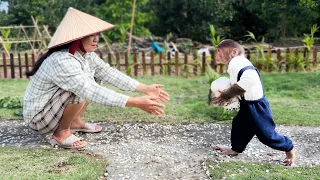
<point>161,151</point>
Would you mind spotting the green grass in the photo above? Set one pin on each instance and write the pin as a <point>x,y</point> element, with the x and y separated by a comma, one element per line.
<point>294,99</point>
<point>12,88</point>
<point>264,171</point>
<point>49,164</point>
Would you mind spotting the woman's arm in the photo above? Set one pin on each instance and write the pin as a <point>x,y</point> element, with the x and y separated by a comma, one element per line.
<point>67,73</point>
<point>105,73</point>
<point>118,79</point>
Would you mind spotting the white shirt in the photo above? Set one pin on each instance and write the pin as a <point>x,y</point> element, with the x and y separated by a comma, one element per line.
<point>249,81</point>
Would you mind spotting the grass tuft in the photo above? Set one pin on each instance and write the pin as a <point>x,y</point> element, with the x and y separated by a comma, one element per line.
<point>253,171</point>
<point>21,163</point>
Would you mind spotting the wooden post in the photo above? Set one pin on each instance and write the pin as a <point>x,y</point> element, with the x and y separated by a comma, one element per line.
<point>186,68</point>
<point>248,54</point>
<point>269,66</point>
<point>135,61</point>
<point>305,50</point>
<point>131,25</point>
<point>269,52</point>
<point>213,63</point>
<point>4,47</point>
<point>20,66</point>
<point>109,59</point>
<point>176,63</point>
<point>279,58</point>
<point>315,58</point>
<point>126,59</point>
<point>118,60</point>
<point>221,68</point>
<point>195,66</point>
<point>33,59</point>
<point>296,52</point>
<point>26,62</point>
<point>204,64</point>
<point>160,63</point>
<point>4,65</point>
<point>169,63</point>
<point>144,67</point>
<point>110,50</point>
<point>152,63</point>
<point>100,55</point>
<point>12,66</point>
<point>287,60</point>
<point>259,54</point>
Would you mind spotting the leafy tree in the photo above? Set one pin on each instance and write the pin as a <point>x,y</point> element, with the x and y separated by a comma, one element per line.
<point>48,12</point>
<point>272,19</point>
<point>188,18</point>
<point>242,21</point>
<point>119,13</point>
<point>4,18</point>
<point>284,18</point>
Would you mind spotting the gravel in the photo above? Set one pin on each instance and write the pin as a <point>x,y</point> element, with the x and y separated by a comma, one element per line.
<point>163,151</point>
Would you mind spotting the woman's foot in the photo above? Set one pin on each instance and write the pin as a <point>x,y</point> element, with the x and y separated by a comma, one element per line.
<point>60,136</point>
<point>85,127</point>
<point>225,150</point>
<point>290,158</point>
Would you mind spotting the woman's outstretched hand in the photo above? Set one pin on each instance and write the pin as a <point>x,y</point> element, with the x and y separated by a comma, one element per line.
<point>146,103</point>
<point>154,90</point>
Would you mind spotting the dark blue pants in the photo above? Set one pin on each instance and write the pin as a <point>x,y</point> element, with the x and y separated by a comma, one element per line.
<point>255,118</point>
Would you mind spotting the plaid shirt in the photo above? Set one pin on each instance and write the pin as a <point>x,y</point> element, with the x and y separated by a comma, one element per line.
<point>77,74</point>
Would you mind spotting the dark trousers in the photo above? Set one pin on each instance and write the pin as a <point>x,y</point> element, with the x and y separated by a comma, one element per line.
<point>255,118</point>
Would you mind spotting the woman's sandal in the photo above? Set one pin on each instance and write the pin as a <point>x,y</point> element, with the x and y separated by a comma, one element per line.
<point>67,143</point>
<point>88,128</point>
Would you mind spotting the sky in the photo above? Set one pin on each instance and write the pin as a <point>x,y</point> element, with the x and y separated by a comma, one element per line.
<point>4,6</point>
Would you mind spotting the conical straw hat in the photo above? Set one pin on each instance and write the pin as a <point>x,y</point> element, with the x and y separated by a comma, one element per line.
<point>76,25</point>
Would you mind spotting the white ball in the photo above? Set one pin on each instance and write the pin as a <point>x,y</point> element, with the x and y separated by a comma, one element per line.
<point>221,84</point>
